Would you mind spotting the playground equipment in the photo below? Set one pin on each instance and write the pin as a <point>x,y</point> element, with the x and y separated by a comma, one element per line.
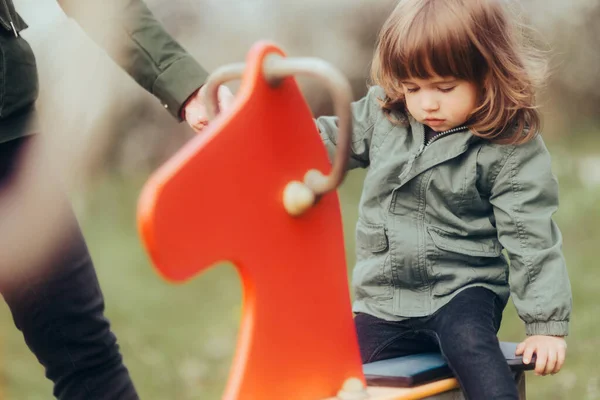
<point>250,192</point>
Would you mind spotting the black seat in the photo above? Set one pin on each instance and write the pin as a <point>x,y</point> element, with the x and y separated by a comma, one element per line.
<point>418,369</point>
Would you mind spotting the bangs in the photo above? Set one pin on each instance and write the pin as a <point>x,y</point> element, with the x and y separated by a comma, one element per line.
<point>436,42</point>
<point>472,40</point>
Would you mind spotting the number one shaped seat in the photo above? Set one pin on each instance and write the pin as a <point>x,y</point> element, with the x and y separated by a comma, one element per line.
<point>220,198</point>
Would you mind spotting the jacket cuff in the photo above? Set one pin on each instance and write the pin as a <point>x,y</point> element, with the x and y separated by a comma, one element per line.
<point>177,83</point>
<point>550,328</point>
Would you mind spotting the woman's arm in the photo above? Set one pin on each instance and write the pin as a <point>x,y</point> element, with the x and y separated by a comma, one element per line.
<point>134,39</point>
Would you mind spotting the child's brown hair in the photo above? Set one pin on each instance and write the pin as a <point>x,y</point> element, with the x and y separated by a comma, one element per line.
<point>474,40</point>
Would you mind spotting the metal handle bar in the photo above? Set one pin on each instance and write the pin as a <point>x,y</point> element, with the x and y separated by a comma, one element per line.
<point>275,68</point>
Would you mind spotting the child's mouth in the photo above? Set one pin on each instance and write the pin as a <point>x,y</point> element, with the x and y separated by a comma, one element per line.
<point>434,121</point>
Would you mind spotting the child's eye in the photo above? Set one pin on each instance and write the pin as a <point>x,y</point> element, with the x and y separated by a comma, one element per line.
<point>411,90</point>
<point>446,90</point>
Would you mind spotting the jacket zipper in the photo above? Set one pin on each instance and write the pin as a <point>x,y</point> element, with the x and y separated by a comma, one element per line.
<point>424,145</point>
<point>10,20</point>
<point>427,143</point>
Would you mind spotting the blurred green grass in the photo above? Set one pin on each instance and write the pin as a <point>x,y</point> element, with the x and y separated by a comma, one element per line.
<point>178,340</point>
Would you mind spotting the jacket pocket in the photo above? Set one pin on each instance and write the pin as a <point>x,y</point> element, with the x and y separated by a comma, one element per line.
<point>371,237</point>
<point>372,276</point>
<point>456,262</point>
<point>476,247</point>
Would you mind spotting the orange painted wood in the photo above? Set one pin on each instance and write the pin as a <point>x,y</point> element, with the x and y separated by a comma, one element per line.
<point>419,392</point>
<point>220,198</point>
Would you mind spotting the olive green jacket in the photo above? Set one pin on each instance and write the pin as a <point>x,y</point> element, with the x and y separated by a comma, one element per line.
<point>129,33</point>
<point>435,219</point>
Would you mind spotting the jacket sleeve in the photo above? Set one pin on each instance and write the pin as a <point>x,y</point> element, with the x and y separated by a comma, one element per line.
<point>365,113</point>
<point>136,41</point>
<point>524,197</point>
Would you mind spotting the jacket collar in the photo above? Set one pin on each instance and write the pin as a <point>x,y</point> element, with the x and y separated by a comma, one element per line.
<point>441,150</point>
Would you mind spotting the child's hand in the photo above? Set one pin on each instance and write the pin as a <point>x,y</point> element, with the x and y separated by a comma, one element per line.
<point>194,110</point>
<point>550,352</point>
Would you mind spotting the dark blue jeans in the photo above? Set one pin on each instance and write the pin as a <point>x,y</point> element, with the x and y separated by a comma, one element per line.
<point>48,280</point>
<point>464,331</point>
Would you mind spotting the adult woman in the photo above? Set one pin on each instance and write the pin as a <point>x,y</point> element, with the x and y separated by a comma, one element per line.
<point>46,274</point>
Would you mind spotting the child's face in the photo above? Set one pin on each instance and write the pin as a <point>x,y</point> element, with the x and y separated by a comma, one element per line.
<point>441,103</point>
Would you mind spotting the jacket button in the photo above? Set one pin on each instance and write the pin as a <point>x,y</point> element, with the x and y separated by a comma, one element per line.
<point>166,105</point>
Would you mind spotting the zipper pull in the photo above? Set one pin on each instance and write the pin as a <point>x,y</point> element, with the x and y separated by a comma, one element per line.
<point>421,149</point>
<point>14,29</point>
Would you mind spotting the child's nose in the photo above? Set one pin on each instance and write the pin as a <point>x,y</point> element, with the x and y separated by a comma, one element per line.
<point>429,103</point>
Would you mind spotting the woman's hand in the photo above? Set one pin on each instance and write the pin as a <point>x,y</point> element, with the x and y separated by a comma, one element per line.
<point>549,350</point>
<point>194,111</point>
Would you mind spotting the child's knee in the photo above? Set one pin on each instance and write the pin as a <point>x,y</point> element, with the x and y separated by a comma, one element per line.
<point>468,341</point>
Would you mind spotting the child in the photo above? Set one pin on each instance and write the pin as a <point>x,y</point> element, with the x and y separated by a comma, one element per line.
<point>457,173</point>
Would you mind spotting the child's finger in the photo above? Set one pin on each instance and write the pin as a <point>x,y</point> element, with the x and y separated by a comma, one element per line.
<point>560,360</point>
<point>551,362</point>
<point>528,354</point>
<point>520,349</point>
<point>542,358</point>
